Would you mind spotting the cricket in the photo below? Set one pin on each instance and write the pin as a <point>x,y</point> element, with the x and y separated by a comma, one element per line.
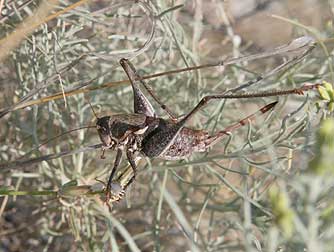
<point>146,134</point>
<point>146,125</point>
<point>141,125</point>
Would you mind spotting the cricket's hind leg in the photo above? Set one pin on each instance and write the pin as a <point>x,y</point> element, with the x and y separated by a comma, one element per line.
<point>141,103</point>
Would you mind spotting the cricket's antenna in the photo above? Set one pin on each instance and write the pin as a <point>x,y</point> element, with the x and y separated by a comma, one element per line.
<point>92,109</point>
<point>55,137</point>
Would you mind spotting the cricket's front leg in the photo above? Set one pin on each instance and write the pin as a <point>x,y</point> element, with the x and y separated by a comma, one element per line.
<point>132,160</point>
<point>114,190</point>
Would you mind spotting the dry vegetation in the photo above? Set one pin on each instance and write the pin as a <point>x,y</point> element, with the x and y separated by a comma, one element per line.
<point>257,190</point>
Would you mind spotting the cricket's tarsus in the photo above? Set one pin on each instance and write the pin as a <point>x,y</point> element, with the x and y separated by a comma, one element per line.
<point>145,134</point>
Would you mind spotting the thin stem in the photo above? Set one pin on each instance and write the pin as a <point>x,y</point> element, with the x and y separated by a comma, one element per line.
<point>4,167</point>
<point>31,193</point>
<point>55,137</point>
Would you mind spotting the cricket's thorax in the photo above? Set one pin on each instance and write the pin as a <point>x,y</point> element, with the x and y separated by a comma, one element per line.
<point>117,131</point>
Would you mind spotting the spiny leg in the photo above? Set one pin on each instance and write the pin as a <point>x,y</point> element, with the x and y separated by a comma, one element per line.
<point>140,100</point>
<point>163,138</point>
<point>116,164</point>
<point>249,118</point>
<point>204,101</point>
<point>132,161</point>
<point>303,45</point>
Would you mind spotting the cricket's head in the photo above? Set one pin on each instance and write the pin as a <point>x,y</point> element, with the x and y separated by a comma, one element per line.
<point>112,130</point>
<point>104,131</point>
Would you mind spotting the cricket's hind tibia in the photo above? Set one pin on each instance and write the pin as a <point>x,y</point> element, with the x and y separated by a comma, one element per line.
<point>189,141</point>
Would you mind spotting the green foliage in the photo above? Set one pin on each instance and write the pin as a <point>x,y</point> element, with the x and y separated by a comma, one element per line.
<point>327,95</point>
<point>283,215</point>
<point>323,162</point>
<point>304,215</point>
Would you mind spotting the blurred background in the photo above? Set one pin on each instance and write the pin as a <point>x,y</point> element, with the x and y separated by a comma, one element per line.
<point>257,190</point>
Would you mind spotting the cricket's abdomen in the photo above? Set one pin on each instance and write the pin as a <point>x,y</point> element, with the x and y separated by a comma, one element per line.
<point>187,142</point>
<point>172,141</point>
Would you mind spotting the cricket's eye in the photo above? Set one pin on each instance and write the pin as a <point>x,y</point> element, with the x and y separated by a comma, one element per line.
<point>101,128</point>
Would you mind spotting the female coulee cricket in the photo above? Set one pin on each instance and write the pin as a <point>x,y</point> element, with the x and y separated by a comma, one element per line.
<point>145,134</point>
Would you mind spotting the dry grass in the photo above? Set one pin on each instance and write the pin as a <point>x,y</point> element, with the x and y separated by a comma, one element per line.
<point>217,201</point>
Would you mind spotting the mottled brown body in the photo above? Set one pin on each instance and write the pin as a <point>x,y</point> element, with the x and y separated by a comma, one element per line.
<point>143,131</point>
<point>187,142</point>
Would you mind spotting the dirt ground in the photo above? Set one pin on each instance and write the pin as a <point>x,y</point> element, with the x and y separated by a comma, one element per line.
<point>255,21</point>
